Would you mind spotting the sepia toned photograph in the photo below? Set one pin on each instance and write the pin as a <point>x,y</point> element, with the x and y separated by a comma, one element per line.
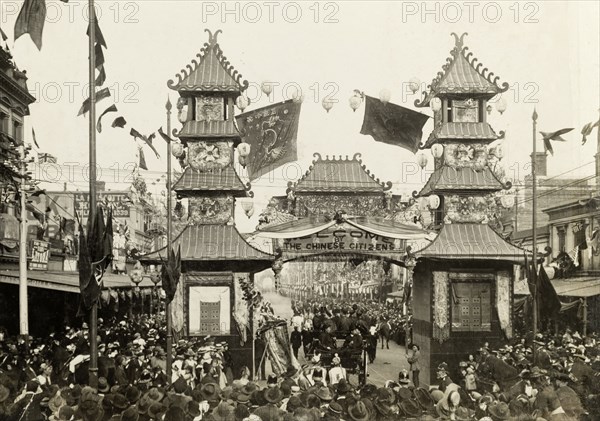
<point>299,210</point>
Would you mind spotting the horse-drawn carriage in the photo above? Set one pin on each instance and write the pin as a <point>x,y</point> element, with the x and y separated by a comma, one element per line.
<point>353,360</point>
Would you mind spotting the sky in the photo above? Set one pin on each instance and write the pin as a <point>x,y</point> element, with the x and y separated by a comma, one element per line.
<point>548,52</point>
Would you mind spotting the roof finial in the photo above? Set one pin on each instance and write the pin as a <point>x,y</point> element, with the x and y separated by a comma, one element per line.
<point>212,39</point>
<point>458,42</point>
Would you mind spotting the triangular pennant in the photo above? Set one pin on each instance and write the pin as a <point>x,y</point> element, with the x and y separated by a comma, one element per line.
<point>97,33</point>
<point>119,122</point>
<point>101,78</point>
<point>142,163</point>
<point>100,95</point>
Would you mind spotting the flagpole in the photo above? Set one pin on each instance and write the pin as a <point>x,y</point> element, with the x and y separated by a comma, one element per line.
<point>93,367</point>
<point>23,303</point>
<point>534,232</point>
<point>168,106</point>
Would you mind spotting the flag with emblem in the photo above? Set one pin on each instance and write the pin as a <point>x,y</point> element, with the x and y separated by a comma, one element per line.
<point>271,133</point>
<point>392,124</point>
<point>95,255</point>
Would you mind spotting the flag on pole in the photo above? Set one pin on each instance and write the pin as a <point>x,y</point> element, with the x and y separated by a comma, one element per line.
<point>101,78</point>
<point>170,273</point>
<point>142,160</point>
<point>34,139</point>
<point>95,255</point>
<point>556,136</point>
<point>392,124</point>
<point>99,56</point>
<point>587,130</point>
<point>31,21</point>
<point>111,109</point>
<point>549,303</point>
<point>100,95</point>
<point>97,33</point>
<point>271,132</point>
<point>147,140</point>
<point>119,122</point>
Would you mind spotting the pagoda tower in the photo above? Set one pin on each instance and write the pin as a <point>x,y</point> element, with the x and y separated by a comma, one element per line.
<point>217,262</point>
<point>463,281</point>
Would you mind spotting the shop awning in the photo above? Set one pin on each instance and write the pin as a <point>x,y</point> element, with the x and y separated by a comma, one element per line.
<point>67,282</point>
<point>578,287</point>
<point>471,241</point>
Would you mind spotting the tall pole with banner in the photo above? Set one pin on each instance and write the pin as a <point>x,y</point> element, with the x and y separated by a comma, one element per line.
<point>23,303</point>
<point>93,367</point>
<point>169,106</point>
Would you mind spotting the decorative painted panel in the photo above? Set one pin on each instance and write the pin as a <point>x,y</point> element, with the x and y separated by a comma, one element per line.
<point>209,155</point>
<point>210,108</point>
<point>352,205</point>
<point>210,210</point>
<point>469,209</point>
<point>503,302</point>
<point>462,155</point>
<point>441,322</point>
<point>465,111</point>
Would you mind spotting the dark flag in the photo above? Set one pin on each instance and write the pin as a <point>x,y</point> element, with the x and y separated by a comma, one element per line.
<point>111,109</point>
<point>95,255</point>
<point>31,21</point>
<point>142,163</point>
<point>271,132</point>
<point>392,124</point>
<point>34,139</point>
<point>4,37</point>
<point>171,272</point>
<point>101,78</point>
<point>97,33</point>
<point>119,122</point>
<point>147,140</point>
<point>100,95</point>
<point>557,135</point>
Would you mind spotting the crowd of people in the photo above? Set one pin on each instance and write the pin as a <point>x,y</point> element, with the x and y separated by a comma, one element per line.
<point>46,378</point>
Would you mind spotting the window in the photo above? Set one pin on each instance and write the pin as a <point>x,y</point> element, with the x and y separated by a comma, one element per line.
<point>4,123</point>
<point>17,131</point>
<point>471,306</point>
<point>209,310</point>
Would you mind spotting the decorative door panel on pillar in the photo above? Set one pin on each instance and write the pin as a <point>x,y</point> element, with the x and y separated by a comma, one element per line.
<point>208,301</point>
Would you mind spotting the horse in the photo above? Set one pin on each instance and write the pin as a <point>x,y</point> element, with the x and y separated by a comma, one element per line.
<point>499,371</point>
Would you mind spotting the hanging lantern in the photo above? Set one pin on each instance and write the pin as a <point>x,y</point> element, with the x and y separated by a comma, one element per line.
<point>242,102</point>
<point>437,150</point>
<point>250,213</point>
<point>423,203</point>
<point>243,161</point>
<point>501,105</point>
<point>435,104</point>
<point>177,149</point>
<point>355,102</point>
<point>327,103</point>
<point>434,201</point>
<point>422,160</point>
<point>182,116</point>
<point>500,151</point>
<point>507,201</point>
<point>413,84</point>
<point>244,149</point>
<point>267,88</point>
<point>247,205</point>
<point>136,275</point>
<point>488,109</point>
<point>385,95</point>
